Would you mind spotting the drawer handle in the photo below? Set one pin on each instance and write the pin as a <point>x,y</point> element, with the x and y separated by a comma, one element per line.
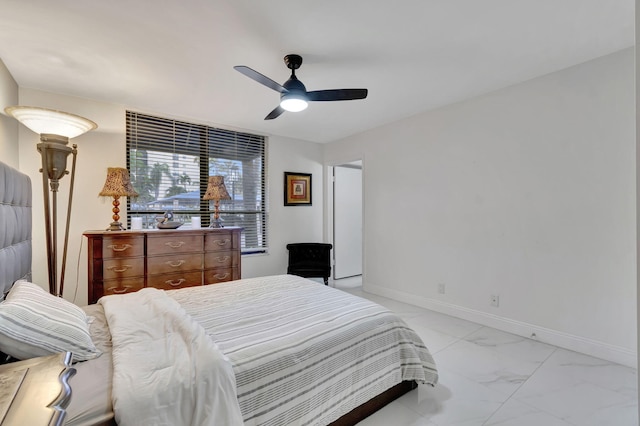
<point>174,245</point>
<point>175,283</point>
<point>117,269</point>
<point>175,264</point>
<point>221,277</point>
<point>119,290</point>
<point>223,242</point>
<point>222,259</point>
<point>122,247</point>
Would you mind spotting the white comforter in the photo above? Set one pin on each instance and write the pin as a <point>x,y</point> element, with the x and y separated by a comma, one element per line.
<point>167,371</point>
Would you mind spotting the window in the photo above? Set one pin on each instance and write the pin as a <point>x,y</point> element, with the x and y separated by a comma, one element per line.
<point>170,162</point>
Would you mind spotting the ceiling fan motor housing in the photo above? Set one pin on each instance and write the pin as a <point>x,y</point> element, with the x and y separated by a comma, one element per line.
<point>294,98</point>
<point>293,85</point>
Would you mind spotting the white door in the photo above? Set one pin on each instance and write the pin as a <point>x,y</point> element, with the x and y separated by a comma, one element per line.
<point>347,221</point>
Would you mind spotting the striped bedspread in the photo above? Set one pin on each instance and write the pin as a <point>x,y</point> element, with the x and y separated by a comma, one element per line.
<point>304,353</point>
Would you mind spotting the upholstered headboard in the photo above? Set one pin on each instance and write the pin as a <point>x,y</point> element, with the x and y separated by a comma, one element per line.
<point>15,227</point>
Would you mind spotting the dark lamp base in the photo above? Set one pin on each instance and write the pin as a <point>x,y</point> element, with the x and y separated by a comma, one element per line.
<point>115,226</point>
<point>216,223</point>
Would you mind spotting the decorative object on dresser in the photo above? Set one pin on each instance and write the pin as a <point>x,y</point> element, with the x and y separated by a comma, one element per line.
<point>216,191</point>
<point>36,392</point>
<point>166,221</point>
<point>297,189</point>
<point>127,261</point>
<point>118,184</point>
<point>310,260</point>
<point>136,223</point>
<point>55,129</point>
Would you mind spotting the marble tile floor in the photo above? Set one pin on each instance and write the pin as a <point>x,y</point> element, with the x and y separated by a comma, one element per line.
<point>489,377</point>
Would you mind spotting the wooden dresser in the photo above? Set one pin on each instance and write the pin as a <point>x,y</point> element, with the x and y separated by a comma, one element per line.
<point>35,392</point>
<point>126,261</point>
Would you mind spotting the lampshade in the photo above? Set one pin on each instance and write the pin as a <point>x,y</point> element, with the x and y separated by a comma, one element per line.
<point>118,183</point>
<point>216,189</point>
<point>48,121</point>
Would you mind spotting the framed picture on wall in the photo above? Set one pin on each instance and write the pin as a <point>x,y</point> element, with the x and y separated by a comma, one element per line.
<point>297,189</point>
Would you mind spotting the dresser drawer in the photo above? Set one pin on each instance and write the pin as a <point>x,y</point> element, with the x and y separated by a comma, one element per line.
<point>221,259</point>
<point>221,241</point>
<point>131,246</point>
<point>174,281</point>
<point>174,243</point>
<point>123,268</point>
<point>174,263</point>
<point>128,285</point>
<point>220,275</point>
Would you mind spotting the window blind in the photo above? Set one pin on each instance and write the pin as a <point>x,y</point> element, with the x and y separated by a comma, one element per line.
<point>170,162</point>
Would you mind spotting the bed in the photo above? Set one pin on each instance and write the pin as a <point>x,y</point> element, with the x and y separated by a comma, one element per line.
<point>278,350</point>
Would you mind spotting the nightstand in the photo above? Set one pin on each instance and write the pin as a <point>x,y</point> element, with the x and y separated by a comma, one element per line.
<point>36,391</point>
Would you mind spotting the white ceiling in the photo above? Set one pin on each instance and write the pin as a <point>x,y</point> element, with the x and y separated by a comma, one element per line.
<point>176,57</point>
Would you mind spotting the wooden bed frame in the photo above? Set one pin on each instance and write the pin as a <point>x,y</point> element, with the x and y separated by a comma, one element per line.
<point>15,258</point>
<point>357,414</point>
<point>365,410</point>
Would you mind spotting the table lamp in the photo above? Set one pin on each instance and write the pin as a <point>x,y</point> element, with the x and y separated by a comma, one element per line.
<point>216,191</point>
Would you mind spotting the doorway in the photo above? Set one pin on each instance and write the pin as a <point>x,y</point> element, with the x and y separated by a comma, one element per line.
<point>347,220</point>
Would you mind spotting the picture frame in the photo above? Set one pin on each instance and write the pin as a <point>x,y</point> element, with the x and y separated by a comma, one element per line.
<point>297,189</point>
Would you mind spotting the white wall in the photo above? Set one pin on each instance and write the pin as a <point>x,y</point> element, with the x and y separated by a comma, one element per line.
<point>528,193</point>
<point>8,126</point>
<point>289,224</point>
<point>105,147</point>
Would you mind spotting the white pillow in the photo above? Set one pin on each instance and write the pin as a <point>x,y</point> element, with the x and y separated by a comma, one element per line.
<point>35,323</point>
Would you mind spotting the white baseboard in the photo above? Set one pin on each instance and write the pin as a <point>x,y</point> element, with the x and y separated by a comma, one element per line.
<point>583,345</point>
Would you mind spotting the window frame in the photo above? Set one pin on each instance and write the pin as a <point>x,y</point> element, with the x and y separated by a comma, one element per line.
<point>230,146</point>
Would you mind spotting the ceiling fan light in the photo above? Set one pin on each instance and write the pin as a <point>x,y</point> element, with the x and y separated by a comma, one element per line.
<point>293,103</point>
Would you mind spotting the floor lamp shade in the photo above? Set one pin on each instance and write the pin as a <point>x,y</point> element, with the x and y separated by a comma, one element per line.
<point>49,121</point>
<point>118,184</point>
<point>55,128</point>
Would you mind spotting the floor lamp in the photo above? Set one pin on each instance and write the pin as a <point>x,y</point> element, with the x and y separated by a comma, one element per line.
<point>55,129</point>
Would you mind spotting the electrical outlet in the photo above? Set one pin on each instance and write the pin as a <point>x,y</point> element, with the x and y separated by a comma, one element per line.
<point>441,288</point>
<point>495,300</point>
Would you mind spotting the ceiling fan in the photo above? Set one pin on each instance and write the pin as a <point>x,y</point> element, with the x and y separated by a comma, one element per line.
<point>293,95</point>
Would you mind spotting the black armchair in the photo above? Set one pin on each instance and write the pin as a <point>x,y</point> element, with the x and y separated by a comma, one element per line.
<point>310,260</point>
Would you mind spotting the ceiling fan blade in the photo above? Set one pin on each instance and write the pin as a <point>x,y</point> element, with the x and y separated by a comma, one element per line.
<point>337,95</point>
<point>262,79</point>
<point>275,113</point>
